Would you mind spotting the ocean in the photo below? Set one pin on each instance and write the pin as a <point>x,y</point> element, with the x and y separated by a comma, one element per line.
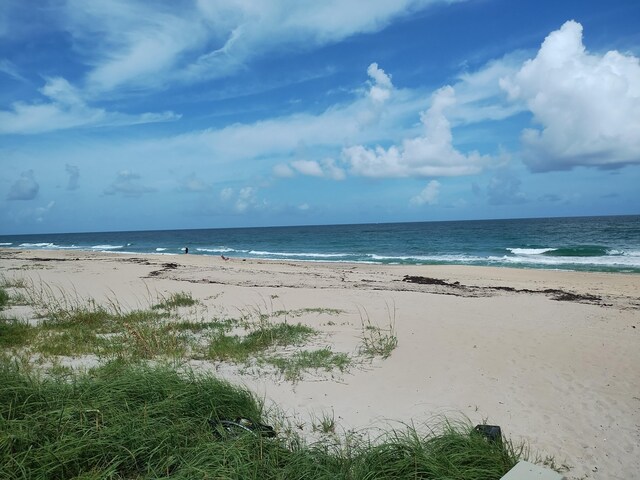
<point>606,244</point>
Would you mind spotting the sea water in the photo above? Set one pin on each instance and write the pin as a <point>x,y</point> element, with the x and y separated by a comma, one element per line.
<point>579,243</point>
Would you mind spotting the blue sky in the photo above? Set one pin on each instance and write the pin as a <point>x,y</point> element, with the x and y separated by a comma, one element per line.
<point>136,115</point>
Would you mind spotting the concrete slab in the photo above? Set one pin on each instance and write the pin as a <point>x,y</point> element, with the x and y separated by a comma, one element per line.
<point>528,471</point>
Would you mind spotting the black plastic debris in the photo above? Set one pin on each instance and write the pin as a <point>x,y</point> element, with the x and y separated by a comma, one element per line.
<point>226,428</point>
<point>492,433</point>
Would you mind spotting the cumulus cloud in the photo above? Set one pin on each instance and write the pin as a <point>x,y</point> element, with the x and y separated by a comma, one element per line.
<point>25,188</point>
<point>74,174</point>
<point>428,195</point>
<point>382,87</point>
<point>128,184</point>
<point>283,170</point>
<point>326,168</point>
<point>241,200</point>
<point>431,154</point>
<point>66,109</point>
<point>587,105</point>
<point>307,167</point>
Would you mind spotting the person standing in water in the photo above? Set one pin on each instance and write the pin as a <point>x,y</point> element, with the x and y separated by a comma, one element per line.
<point>186,250</point>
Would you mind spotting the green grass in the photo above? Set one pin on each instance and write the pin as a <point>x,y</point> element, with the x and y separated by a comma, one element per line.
<point>292,367</point>
<point>239,348</point>
<point>14,333</point>
<point>4,299</point>
<point>376,341</point>
<point>138,422</point>
<point>450,452</point>
<point>175,300</point>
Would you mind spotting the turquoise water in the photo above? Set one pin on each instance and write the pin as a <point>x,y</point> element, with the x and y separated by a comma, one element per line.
<point>581,243</point>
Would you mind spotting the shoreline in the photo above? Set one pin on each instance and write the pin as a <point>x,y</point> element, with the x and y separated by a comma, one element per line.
<point>560,373</point>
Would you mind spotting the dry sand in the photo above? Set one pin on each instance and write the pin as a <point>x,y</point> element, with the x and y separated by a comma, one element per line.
<point>552,357</point>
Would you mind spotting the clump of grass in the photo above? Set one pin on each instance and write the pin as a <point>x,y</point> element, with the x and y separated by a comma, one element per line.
<point>377,341</point>
<point>15,282</point>
<point>4,298</point>
<point>148,341</point>
<point>326,424</point>
<point>265,336</point>
<point>14,333</point>
<point>174,301</point>
<point>448,451</point>
<point>292,367</point>
<point>121,421</point>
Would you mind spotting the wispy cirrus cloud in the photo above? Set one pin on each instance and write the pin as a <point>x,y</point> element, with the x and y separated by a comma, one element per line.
<point>133,43</point>
<point>67,109</point>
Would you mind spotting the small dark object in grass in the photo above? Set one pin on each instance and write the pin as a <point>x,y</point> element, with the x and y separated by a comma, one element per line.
<point>225,428</point>
<point>492,433</point>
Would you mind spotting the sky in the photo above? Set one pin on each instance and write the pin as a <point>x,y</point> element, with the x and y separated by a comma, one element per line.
<point>174,114</point>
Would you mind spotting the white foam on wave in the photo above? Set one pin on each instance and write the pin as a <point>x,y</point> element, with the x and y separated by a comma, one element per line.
<point>614,261</point>
<point>530,251</point>
<point>429,258</point>
<point>5,244</point>
<point>301,255</point>
<point>106,247</point>
<point>160,249</point>
<point>38,245</point>
<point>217,250</point>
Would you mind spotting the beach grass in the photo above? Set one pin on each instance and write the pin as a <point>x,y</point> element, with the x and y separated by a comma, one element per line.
<point>128,420</point>
<point>175,300</point>
<point>292,367</point>
<point>70,326</point>
<point>4,298</point>
<point>376,341</point>
<point>14,333</point>
<point>263,337</point>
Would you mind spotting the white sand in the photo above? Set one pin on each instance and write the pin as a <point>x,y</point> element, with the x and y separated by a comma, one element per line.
<point>563,375</point>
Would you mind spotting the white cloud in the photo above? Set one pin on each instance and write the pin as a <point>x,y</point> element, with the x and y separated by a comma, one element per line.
<point>128,184</point>
<point>241,201</point>
<point>588,105</point>
<point>8,68</point>
<point>307,167</point>
<point>137,43</point>
<point>428,155</point>
<point>382,88</point>
<point>66,109</point>
<point>25,188</point>
<point>479,96</point>
<point>283,171</point>
<point>331,170</point>
<point>428,195</point>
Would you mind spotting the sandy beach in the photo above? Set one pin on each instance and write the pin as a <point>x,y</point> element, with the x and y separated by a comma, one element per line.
<point>552,357</point>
